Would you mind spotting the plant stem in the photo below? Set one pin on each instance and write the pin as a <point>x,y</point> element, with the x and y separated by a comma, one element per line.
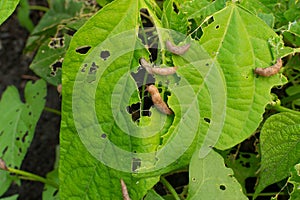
<point>29,176</point>
<point>266,194</point>
<point>52,110</point>
<point>169,187</point>
<point>284,109</point>
<point>40,8</point>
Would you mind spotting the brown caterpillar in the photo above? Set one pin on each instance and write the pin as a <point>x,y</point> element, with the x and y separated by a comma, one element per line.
<point>269,71</point>
<point>124,190</point>
<point>158,101</point>
<point>178,50</point>
<point>155,70</point>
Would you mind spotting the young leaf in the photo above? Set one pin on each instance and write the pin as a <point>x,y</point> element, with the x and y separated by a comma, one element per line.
<point>280,148</point>
<point>18,121</point>
<point>7,8</point>
<point>211,179</point>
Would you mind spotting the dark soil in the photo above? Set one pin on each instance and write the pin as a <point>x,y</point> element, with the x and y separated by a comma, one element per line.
<point>13,66</point>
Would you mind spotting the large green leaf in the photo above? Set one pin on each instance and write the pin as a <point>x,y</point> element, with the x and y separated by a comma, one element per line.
<point>211,179</point>
<point>82,175</point>
<point>7,7</point>
<point>280,148</point>
<point>18,121</point>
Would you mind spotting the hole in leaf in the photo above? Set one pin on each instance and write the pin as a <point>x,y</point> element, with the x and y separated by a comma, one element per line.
<point>218,26</point>
<point>103,135</point>
<point>20,150</point>
<point>175,8</point>
<point>245,155</point>
<point>24,136</point>
<point>55,193</point>
<point>104,55</point>
<point>4,151</point>
<point>207,120</point>
<point>83,49</point>
<point>93,68</point>
<point>29,113</point>
<point>83,69</point>
<point>135,164</point>
<point>17,138</point>
<point>222,187</point>
<point>58,42</point>
<point>194,179</point>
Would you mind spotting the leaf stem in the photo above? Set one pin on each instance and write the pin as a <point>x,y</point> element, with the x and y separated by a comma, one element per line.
<point>33,177</point>
<point>40,8</point>
<point>52,110</point>
<point>164,181</point>
<point>283,109</point>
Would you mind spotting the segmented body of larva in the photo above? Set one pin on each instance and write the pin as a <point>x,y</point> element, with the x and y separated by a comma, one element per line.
<point>158,101</point>
<point>178,50</point>
<point>124,190</point>
<point>155,70</point>
<point>269,71</point>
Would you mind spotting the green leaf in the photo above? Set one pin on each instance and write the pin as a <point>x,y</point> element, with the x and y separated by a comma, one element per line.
<point>172,20</point>
<point>210,179</point>
<point>48,60</point>
<point>23,15</point>
<point>239,49</point>
<point>263,7</point>
<point>295,180</point>
<point>18,121</point>
<point>201,9</point>
<point>7,7</point>
<point>61,12</point>
<point>82,175</point>
<point>50,192</point>
<point>14,197</point>
<point>152,195</point>
<point>243,164</point>
<point>280,148</point>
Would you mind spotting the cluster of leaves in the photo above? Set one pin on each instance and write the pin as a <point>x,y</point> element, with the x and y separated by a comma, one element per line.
<point>223,106</point>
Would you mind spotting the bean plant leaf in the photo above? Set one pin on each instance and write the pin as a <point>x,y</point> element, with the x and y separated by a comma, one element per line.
<point>82,175</point>
<point>244,165</point>
<point>152,195</point>
<point>48,61</point>
<point>18,121</point>
<point>199,10</point>
<point>7,8</point>
<point>280,148</point>
<point>295,180</point>
<point>211,179</point>
<point>217,93</point>
<point>14,197</point>
<point>61,12</point>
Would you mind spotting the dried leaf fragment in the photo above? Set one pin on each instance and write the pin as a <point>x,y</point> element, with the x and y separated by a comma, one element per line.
<point>158,101</point>
<point>178,50</point>
<point>269,71</point>
<point>155,70</point>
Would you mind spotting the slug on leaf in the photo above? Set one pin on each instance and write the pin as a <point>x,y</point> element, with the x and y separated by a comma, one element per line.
<point>269,71</point>
<point>178,50</point>
<point>155,70</point>
<point>158,101</point>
